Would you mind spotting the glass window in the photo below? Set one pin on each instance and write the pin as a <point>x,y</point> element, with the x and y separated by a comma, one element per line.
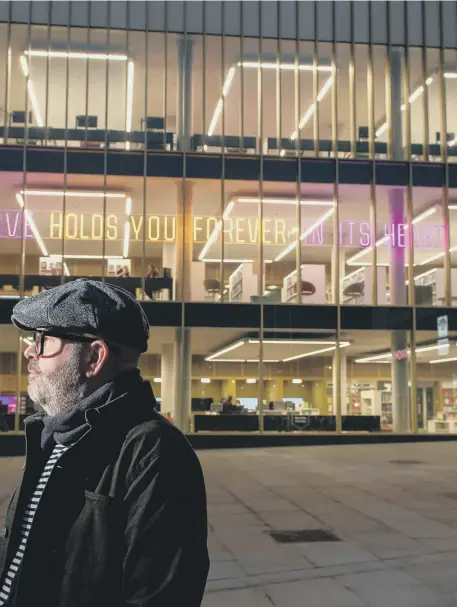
<point>375,384</point>
<point>436,384</point>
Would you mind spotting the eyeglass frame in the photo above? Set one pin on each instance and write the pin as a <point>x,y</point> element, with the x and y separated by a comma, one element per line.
<point>72,337</point>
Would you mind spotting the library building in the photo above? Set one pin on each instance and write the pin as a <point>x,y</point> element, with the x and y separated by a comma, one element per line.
<point>275,182</point>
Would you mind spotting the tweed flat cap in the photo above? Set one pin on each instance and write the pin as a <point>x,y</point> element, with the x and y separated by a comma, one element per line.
<point>89,307</point>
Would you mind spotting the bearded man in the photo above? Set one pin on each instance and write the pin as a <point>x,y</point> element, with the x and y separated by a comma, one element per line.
<point>111,506</point>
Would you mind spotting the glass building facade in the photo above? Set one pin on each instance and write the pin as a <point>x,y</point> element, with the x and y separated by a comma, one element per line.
<point>205,167</point>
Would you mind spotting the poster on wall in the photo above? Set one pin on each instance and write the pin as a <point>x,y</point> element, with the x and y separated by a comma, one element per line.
<point>119,267</point>
<point>50,266</point>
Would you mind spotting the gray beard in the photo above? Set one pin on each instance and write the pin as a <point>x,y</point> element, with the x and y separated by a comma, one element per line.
<point>59,390</point>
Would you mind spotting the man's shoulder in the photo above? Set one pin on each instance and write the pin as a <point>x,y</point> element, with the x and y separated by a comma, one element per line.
<point>154,438</point>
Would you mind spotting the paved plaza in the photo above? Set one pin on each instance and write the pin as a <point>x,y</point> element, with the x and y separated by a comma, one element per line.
<point>393,509</point>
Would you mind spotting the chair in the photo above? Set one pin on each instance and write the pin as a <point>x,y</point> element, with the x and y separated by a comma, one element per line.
<point>89,122</point>
<point>152,123</point>
<point>354,289</point>
<point>364,133</point>
<point>307,288</point>
<point>19,117</point>
<point>212,287</point>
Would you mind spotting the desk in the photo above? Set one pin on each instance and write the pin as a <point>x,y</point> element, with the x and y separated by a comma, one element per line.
<point>129,283</point>
<point>291,421</point>
<point>148,139</point>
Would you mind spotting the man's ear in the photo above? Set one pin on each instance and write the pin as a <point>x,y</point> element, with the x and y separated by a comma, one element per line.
<point>98,356</point>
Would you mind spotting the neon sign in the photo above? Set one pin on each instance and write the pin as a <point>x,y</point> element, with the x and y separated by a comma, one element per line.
<point>11,225</point>
<point>237,230</point>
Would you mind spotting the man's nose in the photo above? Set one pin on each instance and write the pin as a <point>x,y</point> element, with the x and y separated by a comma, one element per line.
<point>30,352</point>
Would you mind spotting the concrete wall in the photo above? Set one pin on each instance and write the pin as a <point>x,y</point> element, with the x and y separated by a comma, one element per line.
<point>230,16</point>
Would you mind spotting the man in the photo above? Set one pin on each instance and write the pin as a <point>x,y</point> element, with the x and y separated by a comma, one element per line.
<point>111,507</point>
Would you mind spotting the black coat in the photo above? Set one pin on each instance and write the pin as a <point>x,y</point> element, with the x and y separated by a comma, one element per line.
<point>122,520</point>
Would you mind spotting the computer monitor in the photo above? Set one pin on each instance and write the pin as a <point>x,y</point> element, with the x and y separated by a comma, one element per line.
<point>293,400</point>
<point>279,405</point>
<point>10,401</point>
<point>250,404</point>
<point>216,407</point>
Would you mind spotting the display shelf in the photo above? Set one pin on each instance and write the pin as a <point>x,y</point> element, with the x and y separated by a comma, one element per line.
<point>242,284</point>
<point>312,286</point>
<point>442,426</point>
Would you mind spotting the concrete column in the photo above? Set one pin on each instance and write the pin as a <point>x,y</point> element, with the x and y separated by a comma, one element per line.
<point>169,261</point>
<point>343,379</point>
<point>184,102</point>
<point>274,390</point>
<point>228,388</point>
<point>183,379</point>
<point>397,270</point>
<point>167,369</point>
<point>184,241</point>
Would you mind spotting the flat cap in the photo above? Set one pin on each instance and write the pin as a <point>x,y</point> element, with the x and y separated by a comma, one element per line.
<point>86,307</point>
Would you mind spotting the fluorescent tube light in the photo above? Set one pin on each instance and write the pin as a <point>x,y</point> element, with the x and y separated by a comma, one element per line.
<point>205,380</point>
<point>129,100</point>
<point>228,349</point>
<point>287,201</point>
<point>293,342</point>
<point>73,193</point>
<point>126,238</point>
<point>310,111</point>
<point>76,55</point>
<point>217,229</point>
<point>417,93</point>
<point>220,103</point>
<point>438,256</point>
<point>87,257</point>
<point>443,360</point>
<point>251,380</point>
<point>296,381</point>
<point>255,65</point>
<point>388,355</point>
<point>31,91</point>
<point>273,65</point>
<point>343,344</point>
<point>233,260</point>
<point>128,210</point>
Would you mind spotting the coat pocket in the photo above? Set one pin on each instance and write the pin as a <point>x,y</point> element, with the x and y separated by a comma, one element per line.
<point>95,545</point>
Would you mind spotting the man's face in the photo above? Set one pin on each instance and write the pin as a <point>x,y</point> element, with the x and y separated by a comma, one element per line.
<point>56,379</point>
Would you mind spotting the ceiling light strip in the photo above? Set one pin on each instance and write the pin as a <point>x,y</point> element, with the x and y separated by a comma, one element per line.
<point>312,108</point>
<point>31,91</point>
<point>255,65</point>
<point>286,201</point>
<point>415,95</point>
<point>73,193</point>
<point>343,344</point>
<point>228,349</point>
<point>76,55</point>
<point>217,229</point>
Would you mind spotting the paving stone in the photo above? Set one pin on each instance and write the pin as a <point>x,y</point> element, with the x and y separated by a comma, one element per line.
<point>313,593</point>
<point>340,553</point>
<point>249,597</point>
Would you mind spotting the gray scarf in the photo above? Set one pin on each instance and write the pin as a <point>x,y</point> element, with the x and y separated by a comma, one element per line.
<point>70,425</point>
